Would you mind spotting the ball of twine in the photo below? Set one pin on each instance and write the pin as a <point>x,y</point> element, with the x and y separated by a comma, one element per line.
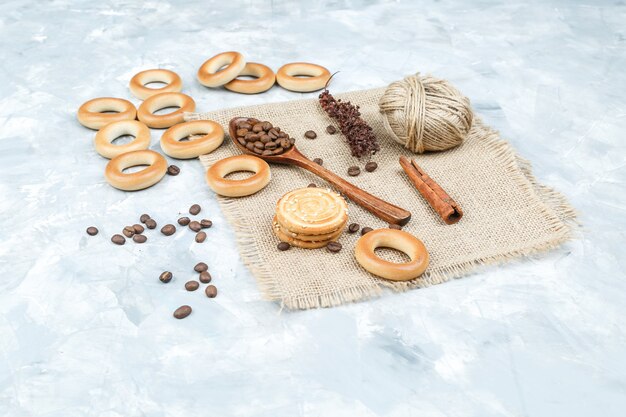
<point>426,113</point>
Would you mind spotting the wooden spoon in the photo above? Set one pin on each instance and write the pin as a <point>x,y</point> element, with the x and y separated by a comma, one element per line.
<point>380,208</point>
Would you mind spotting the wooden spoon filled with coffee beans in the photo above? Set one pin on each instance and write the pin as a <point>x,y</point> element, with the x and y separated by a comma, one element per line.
<point>268,142</point>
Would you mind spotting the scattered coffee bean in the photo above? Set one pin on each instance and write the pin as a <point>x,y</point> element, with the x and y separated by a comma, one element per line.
<point>140,239</point>
<point>283,246</point>
<point>353,228</point>
<point>195,226</point>
<point>311,185</point>
<point>333,247</point>
<point>144,217</point>
<point>118,239</point>
<point>165,277</point>
<point>184,221</point>
<point>182,312</point>
<point>366,230</point>
<point>211,291</point>
<point>206,223</point>
<point>173,170</point>
<point>318,161</point>
<point>138,228</point>
<point>354,171</point>
<point>395,226</point>
<point>192,285</point>
<point>200,267</point>
<point>151,224</point>
<point>205,277</point>
<point>168,229</point>
<point>331,130</point>
<point>92,231</point>
<point>195,209</point>
<point>200,237</point>
<point>128,231</point>
<point>309,134</point>
<point>371,166</point>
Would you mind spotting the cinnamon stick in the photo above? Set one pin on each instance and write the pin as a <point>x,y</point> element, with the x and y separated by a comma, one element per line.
<point>438,199</point>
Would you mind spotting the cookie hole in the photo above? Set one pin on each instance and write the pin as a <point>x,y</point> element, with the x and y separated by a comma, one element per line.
<point>155,84</point>
<point>247,77</point>
<point>166,110</point>
<point>302,76</point>
<point>108,111</point>
<point>195,136</point>
<point>392,255</point>
<point>123,140</point>
<point>135,168</point>
<point>239,175</point>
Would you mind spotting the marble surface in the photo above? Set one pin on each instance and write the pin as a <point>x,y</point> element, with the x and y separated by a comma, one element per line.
<point>86,327</point>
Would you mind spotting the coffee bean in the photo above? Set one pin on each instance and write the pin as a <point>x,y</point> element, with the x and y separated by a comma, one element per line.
<point>173,170</point>
<point>92,231</point>
<point>309,134</point>
<point>165,277</point>
<point>318,161</point>
<point>182,312</point>
<point>184,221</point>
<point>266,138</point>
<point>200,237</point>
<point>168,229</point>
<point>245,125</point>
<point>333,247</point>
<point>211,291</point>
<point>283,246</point>
<point>128,231</point>
<point>395,226</point>
<point>200,267</point>
<point>311,185</point>
<point>371,166</point>
<point>138,228</point>
<point>331,130</point>
<point>192,285</point>
<point>354,171</point>
<point>267,126</point>
<point>206,223</point>
<point>144,217</point>
<point>266,152</point>
<point>205,277</point>
<point>151,224</point>
<point>278,151</point>
<point>241,141</point>
<point>250,146</point>
<point>257,128</point>
<point>195,226</point>
<point>270,145</point>
<point>195,209</point>
<point>140,239</point>
<point>241,132</point>
<point>353,228</point>
<point>118,239</point>
<point>259,145</point>
<point>366,230</point>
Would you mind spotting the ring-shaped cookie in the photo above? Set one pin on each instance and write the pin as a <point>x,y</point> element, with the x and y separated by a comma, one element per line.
<point>212,137</point>
<point>394,239</point>
<point>114,130</point>
<point>238,188</point>
<point>91,113</point>
<point>210,74</point>
<point>157,167</point>
<point>138,83</point>
<point>302,77</point>
<point>265,79</point>
<point>161,101</point>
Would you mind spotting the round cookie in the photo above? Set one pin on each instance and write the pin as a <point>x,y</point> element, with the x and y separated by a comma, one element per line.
<point>312,211</point>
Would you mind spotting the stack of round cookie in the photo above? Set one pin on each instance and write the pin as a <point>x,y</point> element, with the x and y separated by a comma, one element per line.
<point>310,218</point>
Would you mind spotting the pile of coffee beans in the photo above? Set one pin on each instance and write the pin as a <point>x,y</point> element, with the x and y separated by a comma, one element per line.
<point>192,285</point>
<point>262,138</point>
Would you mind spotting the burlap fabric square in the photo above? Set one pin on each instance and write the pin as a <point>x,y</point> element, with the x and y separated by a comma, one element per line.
<point>507,213</point>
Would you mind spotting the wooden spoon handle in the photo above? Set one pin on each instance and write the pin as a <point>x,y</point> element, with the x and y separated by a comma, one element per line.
<point>380,208</point>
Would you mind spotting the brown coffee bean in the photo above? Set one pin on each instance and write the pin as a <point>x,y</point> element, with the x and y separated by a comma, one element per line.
<point>241,141</point>
<point>266,152</point>
<point>118,239</point>
<point>318,161</point>
<point>192,285</point>
<point>284,143</point>
<point>128,231</point>
<point>366,230</point>
<point>182,312</point>
<point>309,134</point>
<point>354,171</point>
<point>270,145</point>
<point>195,209</point>
<point>253,121</point>
<point>257,151</point>
<point>272,134</point>
<point>92,231</point>
<point>168,229</point>
<point>259,145</point>
<point>283,246</point>
<point>140,239</point>
<point>353,228</point>
<point>200,267</point>
<point>184,221</point>
<point>311,185</point>
<point>371,166</point>
<point>200,237</point>
<point>195,226</point>
<point>267,126</point>
<point>165,277</point>
<point>151,224</point>
<point>241,132</point>
<point>244,125</point>
<point>331,130</point>
<point>266,138</point>
<point>211,291</point>
<point>257,128</point>
<point>395,227</point>
<point>278,151</point>
<point>173,170</point>
<point>144,217</point>
<point>206,223</point>
<point>283,135</point>
<point>333,247</point>
<point>138,228</point>
<point>205,277</point>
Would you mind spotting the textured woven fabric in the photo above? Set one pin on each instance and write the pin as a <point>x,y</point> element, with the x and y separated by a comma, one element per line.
<point>507,214</point>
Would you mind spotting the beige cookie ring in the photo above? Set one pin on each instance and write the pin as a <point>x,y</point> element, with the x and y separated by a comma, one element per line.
<point>160,101</point>
<point>157,167</point>
<point>212,137</point>
<point>238,188</point>
<point>265,79</point>
<point>138,83</point>
<point>302,77</point>
<point>210,74</point>
<point>91,113</point>
<point>105,136</point>
<point>394,239</point>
